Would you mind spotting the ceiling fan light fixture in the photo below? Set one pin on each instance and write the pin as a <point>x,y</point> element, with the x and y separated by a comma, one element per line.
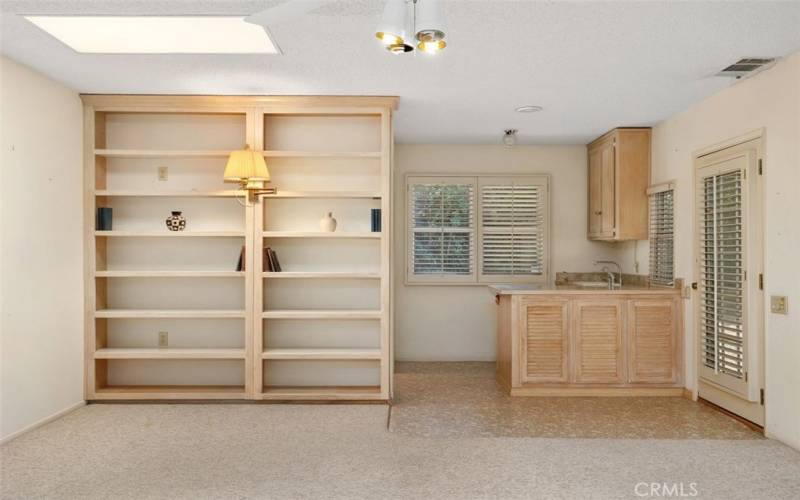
<point>404,19</point>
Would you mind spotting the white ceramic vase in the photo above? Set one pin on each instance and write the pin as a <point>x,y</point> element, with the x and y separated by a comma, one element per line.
<point>328,223</point>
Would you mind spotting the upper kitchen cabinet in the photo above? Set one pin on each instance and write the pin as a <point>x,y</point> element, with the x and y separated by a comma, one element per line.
<point>619,173</point>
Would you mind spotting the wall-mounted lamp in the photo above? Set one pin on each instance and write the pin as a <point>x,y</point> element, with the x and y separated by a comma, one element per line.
<point>248,168</point>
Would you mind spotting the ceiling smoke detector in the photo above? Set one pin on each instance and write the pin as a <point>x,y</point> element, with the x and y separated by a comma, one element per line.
<point>510,136</point>
<point>747,67</point>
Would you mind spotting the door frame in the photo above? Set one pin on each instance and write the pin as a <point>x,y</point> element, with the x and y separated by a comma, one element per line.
<point>752,408</point>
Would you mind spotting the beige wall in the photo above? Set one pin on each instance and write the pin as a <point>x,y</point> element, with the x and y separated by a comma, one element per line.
<point>41,263</point>
<point>457,322</point>
<point>770,100</point>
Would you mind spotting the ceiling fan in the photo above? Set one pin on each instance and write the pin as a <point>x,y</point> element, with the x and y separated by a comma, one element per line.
<point>402,20</point>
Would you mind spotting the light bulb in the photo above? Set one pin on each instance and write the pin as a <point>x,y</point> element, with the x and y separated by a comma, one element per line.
<point>432,47</point>
<point>388,38</point>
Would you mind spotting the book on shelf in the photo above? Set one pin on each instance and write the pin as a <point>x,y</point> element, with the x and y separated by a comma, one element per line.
<point>271,263</point>
<point>104,218</point>
<point>240,266</point>
<point>376,220</point>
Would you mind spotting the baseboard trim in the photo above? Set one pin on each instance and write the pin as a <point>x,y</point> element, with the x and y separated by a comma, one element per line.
<point>42,422</point>
<point>598,391</point>
<point>751,425</point>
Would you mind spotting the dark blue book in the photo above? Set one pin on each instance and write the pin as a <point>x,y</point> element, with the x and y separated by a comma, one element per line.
<point>104,218</point>
<point>376,220</point>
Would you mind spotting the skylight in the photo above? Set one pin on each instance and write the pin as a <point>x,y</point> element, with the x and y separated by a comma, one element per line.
<point>157,35</point>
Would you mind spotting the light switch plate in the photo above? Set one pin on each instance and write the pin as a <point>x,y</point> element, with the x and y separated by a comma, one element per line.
<point>163,339</point>
<point>163,173</point>
<point>779,304</point>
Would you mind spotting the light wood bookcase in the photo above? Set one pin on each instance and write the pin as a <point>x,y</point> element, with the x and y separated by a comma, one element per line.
<point>318,330</point>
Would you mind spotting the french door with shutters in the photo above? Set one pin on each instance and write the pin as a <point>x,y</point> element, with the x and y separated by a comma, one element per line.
<point>728,271</point>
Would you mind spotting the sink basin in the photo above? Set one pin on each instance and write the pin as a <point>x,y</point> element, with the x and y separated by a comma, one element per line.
<point>591,284</point>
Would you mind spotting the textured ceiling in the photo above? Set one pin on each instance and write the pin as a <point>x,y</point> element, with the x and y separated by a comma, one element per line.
<point>591,65</point>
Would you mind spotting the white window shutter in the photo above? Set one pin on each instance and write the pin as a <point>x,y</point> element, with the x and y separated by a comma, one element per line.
<point>513,229</point>
<point>722,274</point>
<point>662,250</point>
<point>441,221</point>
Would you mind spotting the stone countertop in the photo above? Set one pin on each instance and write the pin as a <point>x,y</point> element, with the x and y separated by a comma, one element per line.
<point>552,288</point>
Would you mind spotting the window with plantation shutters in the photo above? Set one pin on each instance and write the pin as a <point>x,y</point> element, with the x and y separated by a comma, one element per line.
<point>722,274</point>
<point>513,228</point>
<point>477,229</point>
<point>662,235</point>
<point>441,229</point>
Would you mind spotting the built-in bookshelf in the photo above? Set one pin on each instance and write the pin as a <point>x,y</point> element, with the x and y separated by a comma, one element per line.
<point>325,329</point>
<point>169,315</point>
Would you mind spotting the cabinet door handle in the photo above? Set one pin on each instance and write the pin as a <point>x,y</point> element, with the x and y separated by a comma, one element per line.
<point>599,212</point>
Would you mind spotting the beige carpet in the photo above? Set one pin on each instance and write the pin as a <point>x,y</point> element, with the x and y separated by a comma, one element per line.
<point>321,451</point>
<point>463,400</point>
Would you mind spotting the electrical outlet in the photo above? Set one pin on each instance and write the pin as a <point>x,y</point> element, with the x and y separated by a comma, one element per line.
<point>779,304</point>
<point>163,339</point>
<point>163,173</point>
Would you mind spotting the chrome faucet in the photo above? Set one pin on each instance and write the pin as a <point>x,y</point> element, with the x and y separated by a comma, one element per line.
<point>610,274</point>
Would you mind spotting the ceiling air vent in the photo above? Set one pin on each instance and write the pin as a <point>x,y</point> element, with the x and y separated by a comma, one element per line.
<point>747,67</point>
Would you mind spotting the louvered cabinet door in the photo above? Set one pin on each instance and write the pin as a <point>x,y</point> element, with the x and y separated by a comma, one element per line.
<point>652,341</point>
<point>597,337</point>
<point>545,340</point>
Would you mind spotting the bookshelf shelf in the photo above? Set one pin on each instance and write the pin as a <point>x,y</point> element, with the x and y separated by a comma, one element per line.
<point>146,156</point>
<point>170,194</point>
<point>169,274</point>
<point>168,353</point>
<point>170,234</point>
<point>325,194</point>
<point>320,275</point>
<point>322,354</point>
<point>311,234</point>
<point>153,153</point>
<point>322,154</point>
<point>322,314</point>
<point>190,392</point>
<point>311,393</point>
<point>169,313</point>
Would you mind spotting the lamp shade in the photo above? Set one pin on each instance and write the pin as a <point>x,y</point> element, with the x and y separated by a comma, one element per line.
<point>429,22</point>
<point>392,30</point>
<point>245,166</point>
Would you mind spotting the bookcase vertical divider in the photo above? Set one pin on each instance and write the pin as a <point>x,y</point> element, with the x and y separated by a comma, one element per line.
<point>257,211</point>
